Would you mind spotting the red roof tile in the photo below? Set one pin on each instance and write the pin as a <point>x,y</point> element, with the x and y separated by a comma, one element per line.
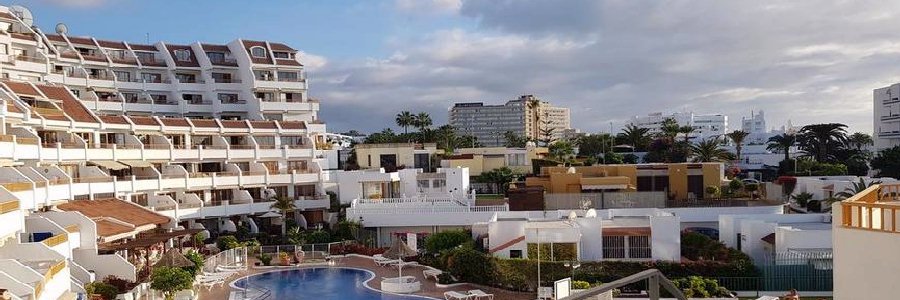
<point>281,47</point>
<point>113,119</point>
<point>293,125</point>
<point>115,208</point>
<point>141,47</point>
<point>257,60</point>
<point>211,47</point>
<point>263,125</point>
<point>73,108</point>
<point>21,88</point>
<point>55,38</point>
<point>148,121</point>
<point>111,44</point>
<point>81,40</point>
<point>288,62</point>
<point>233,124</point>
<point>175,122</point>
<point>204,123</point>
<point>193,59</point>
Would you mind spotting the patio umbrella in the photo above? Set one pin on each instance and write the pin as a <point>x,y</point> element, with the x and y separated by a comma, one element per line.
<point>173,258</point>
<point>399,250</point>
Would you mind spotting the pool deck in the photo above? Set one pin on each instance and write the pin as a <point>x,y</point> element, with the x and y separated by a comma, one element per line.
<point>429,288</point>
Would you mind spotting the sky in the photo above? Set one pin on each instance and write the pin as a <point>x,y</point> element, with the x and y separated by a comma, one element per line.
<point>808,61</point>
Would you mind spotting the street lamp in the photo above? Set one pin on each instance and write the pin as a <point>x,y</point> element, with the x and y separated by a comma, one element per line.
<point>574,265</point>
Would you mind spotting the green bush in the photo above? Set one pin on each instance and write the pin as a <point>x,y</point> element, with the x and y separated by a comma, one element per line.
<point>197,259</point>
<point>226,242</point>
<point>170,280</point>
<point>699,287</point>
<point>580,285</point>
<point>318,237</point>
<point>444,278</point>
<point>265,259</point>
<point>105,290</point>
<point>446,240</point>
<point>560,252</point>
<point>469,265</point>
<point>735,186</point>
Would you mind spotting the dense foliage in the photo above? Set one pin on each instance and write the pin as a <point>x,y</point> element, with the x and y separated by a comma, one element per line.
<point>887,162</point>
<point>170,280</point>
<point>105,290</point>
<point>226,242</point>
<point>699,287</point>
<point>446,240</point>
<point>198,261</point>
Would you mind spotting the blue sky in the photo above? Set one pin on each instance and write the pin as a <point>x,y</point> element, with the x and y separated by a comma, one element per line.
<point>806,61</point>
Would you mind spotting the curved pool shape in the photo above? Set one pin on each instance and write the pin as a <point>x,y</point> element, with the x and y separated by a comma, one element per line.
<point>318,283</point>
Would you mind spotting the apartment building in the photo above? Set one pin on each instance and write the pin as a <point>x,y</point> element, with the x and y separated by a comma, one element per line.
<point>527,116</point>
<point>887,116</point>
<point>705,126</point>
<point>395,156</point>
<point>109,148</point>
<point>479,160</point>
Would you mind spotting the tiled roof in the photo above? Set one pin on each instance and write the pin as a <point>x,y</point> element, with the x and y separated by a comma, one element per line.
<point>175,122</point>
<point>115,208</point>
<point>204,123</point>
<point>21,88</point>
<point>73,108</point>
<point>111,44</point>
<point>107,228</point>
<point>55,38</point>
<point>233,124</point>
<point>141,47</point>
<point>281,47</point>
<point>250,44</point>
<point>292,125</point>
<point>211,47</point>
<point>769,239</point>
<point>81,40</point>
<point>263,125</point>
<point>6,16</point>
<point>113,119</point>
<point>288,62</point>
<point>148,121</point>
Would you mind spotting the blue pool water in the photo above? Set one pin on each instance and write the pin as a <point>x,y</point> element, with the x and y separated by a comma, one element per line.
<point>318,283</point>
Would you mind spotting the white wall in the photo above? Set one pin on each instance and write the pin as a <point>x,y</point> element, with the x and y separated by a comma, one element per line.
<point>591,246</point>
<point>752,232</point>
<point>787,238</point>
<point>666,238</point>
<point>502,232</point>
<point>730,226</point>
<point>457,181</point>
<point>866,263</point>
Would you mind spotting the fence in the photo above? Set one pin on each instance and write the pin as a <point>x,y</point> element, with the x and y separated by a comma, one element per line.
<point>802,270</point>
<point>230,257</point>
<point>310,251</point>
<point>605,200</point>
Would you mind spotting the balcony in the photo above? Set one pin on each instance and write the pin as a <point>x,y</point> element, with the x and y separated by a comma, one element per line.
<point>890,118</point>
<point>876,208</point>
<point>231,62</point>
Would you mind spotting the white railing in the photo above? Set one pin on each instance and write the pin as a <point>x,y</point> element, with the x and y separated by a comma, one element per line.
<point>413,200</point>
<point>355,211</point>
<point>228,258</point>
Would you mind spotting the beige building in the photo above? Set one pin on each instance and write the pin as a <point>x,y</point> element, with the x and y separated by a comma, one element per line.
<point>480,160</point>
<point>526,116</point>
<point>394,155</point>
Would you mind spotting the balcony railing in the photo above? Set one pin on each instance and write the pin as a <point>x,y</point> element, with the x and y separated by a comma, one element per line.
<point>876,208</point>
<point>56,240</point>
<point>17,186</point>
<point>27,58</point>
<point>234,101</point>
<point>101,76</point>
<point>224,61</point>
<point>226,80</point>
<point>9,206</point>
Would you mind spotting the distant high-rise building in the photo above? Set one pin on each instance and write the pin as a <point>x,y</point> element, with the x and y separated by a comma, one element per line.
<point>755,125</point>
<point>526,116</point>
<point>887,117</point>
<point>705,126</point>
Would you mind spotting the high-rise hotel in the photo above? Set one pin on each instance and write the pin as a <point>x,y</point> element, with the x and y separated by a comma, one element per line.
<point>110,148</point>
<point>527,116</point>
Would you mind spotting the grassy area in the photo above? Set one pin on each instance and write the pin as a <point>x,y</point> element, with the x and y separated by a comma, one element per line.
<point>489,196</point>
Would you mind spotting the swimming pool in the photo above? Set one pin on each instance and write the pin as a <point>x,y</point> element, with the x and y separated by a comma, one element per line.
<point>318,283</point>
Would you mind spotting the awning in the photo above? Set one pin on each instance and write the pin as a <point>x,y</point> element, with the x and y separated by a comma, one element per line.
<point>103,90</point>
<point>137,163</point>
<point>112,165</point>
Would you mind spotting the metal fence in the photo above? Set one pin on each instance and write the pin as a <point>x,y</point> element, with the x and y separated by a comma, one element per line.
<point>231,257</point>
<point>605,200</point>
<point>310,251</point>
<point>801,270</point>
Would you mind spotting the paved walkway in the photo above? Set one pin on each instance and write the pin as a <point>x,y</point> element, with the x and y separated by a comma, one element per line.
<point>428,285</point>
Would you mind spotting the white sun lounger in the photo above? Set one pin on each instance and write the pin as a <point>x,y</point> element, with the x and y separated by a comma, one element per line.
<point>431,273</point>
<point>403,263</point>
<point>387,262</point>
<point>453,295</point>
<point>479,294</point>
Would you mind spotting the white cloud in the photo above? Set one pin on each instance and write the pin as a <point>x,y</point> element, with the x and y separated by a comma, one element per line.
<point>428,6</point>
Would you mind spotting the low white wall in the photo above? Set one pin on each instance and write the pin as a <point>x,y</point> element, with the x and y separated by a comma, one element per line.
<point>866,263</point>
<point>105,265</point>
<point>666,234</point>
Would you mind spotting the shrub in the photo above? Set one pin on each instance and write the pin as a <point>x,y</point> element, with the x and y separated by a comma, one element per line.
<point>471,266</point>
<point>712,191</point>
<point>226,242</point>
<point>580,285</point>
<point>446,240</point>
<point>170,280</point>
<point>802,198</point>
<point>444,278</point>
<point>265,258</point>
<point>105,290</point>
<point>119,283</point>
<point>318,237</point>
<point>699,287</point>
<point>197,259</point>
<point>814,206</point>
<point>560,252</point>
<point>735,186</point>
<point>355,249</point>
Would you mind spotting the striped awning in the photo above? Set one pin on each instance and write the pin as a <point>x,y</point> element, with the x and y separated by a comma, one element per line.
<point>112,165</point>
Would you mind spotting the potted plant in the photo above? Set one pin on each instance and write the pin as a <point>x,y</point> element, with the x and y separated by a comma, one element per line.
<point>285,258</point>
<point>265,259</point>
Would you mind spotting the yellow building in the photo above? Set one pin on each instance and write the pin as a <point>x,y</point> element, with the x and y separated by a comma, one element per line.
<point>680,180</point>
<point>388,156</point>
<point>480,160</point>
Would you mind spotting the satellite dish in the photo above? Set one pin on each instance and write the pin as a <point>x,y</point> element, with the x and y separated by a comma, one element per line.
<point>23,14</point>
<point>62,29</point>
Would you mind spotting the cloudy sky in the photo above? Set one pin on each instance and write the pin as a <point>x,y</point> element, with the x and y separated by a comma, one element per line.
<point>805,61</point>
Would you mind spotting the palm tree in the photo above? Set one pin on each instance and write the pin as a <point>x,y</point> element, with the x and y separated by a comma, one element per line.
<point>636,136</point>
<point>535,104</point>
<point>855,188</point>
<point>422,121</point>
<point>405,119</point>
<point>561,150</point>
<point>686,131</point>
<point>859,140</point>
<point>670,129</point>
<point>820,139</point>
<point>738,137</point>
<point>709,150</point>
<point>782,142</point>
<point>284,205</point>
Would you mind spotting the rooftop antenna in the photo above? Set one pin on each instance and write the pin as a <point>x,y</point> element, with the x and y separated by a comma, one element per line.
<point>23,14</point>
<point>62,29</point>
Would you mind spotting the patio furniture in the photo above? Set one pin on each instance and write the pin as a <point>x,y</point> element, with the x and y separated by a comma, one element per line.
<point>479,294</point>
<point>453,295</point>
<point>432,273</point>
<point>386,262</point>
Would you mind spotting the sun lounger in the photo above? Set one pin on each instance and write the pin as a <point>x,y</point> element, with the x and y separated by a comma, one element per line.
<point>386,262</point>
<point>431,273</point>
<point>452,295</point>
<point>481,295</point>
<point>403,264</point>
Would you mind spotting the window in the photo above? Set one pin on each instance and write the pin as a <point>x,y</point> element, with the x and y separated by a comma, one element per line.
<point>186,78</point>
<point>146,56</point>
<point>439,183</point>
<point>422,184</point>
<point>257,51</point>
<point>228,98</point>
<point>123,76</point>
<point>515,253</point>
<point>283,55</point>
<point>222,77</point>
<point>614,246</point>
<point>288,76</point>
<point>639,246</point>
<point>216,57</point>
<point>183,55</point>
<point>151,77</point>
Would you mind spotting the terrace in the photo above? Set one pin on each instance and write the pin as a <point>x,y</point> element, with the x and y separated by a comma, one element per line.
<point>874,209</point>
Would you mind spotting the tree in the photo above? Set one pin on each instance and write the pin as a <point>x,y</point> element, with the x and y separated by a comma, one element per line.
<point>821,140</point>
<point>500,178</point>
<point>561,151</point>
<point>546,130</point>
<point>422,121</point>
<point>709,150</point>
<point>635,136</point>
<point>686,132</point>
<point>534,105</point>
<point>802,198</point>
<point>670,129</point>
<point>738,137</point>
<point>592,145</point>
<point>859,141</point>
<point>887,162</point>
<point>405,119</point>
<point>782,142</point>
<point>446,240</point>
<point>856,188</point>
<point>513,140</point>
<point>284,205</point>
<point>170,280</point>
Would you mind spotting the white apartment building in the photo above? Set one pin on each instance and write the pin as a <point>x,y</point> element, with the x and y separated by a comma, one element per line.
<point>887,116</point>
<point>109,144</point>
<point>489,123</point>
<point>705,126</point>
<point>755,125</point>
<point>762,236</point>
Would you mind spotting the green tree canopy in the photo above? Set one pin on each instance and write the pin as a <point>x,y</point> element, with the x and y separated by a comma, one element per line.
<point>887,162</point>
<point>170,280</point>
